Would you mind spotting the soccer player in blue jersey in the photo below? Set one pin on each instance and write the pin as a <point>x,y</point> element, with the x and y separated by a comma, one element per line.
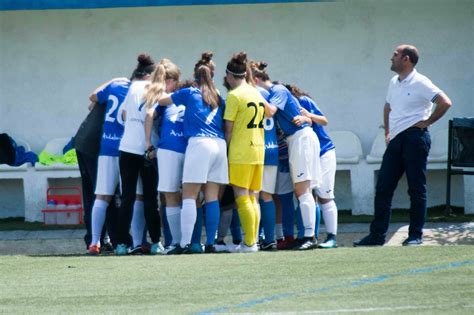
<point>327,155</point>
<point>205,161</point>
<point>270,172</point>
<point>111,95</point>
<point>171,146</point>
<point>303,149</point>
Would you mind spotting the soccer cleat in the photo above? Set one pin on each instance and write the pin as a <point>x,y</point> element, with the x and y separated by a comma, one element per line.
<point>268,247</point>
<point>195,249</point>
<point>247,249</point>
<point>210,249</point>
<point>146,248</point>
<point>169,248</point>
<point>137,250</point>
<point>330,242</point>
<point>287,243</point>
<point>413,241</point>
<point>94,250</point>
<point>187,250</point>
<point>177,250</point>
<point>307,243</point>
<point>221,247</point>
<point>107,248</point>
<point>157,249</point>
<point>121,250</point>
<point>369,240</point>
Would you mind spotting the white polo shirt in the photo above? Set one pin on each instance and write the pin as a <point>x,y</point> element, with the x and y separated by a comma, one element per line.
<point>411,101</point>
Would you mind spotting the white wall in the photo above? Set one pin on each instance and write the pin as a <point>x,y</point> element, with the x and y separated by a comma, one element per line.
<point>338,51</point>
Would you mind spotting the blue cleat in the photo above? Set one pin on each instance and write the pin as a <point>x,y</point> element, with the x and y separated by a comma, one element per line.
<point>121,250</point>
<point>330,242</point>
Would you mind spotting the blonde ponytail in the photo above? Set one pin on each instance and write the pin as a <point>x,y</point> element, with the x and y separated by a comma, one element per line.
<point>157,86</point>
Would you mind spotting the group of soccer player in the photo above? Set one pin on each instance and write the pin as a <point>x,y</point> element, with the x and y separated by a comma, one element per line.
<point>235,163</point>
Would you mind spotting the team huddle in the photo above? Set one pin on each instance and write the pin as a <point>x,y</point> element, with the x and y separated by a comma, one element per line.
<point>236,163</point>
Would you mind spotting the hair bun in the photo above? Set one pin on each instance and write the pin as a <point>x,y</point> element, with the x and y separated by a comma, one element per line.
<point>207,56</point>
<point>145,60</point>
<point>242,57</point>
<point>262,65</point>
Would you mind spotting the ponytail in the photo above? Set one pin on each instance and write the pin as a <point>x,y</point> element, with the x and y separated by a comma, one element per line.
<point>153,91</point>
<point>207,87</point>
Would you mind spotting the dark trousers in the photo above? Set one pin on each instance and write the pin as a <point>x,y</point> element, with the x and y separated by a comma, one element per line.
<point>406,153</point>
<point>88,170</point>
<point>131,166</point>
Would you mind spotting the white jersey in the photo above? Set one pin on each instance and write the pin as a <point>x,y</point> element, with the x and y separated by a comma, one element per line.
<point>411,101</point>
<point>133,139</point>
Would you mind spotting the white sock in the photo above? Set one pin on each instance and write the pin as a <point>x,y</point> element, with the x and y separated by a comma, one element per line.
<point>308,213</point>
<point>173,215</point>
<point>188,219</point>
<point>138,222</point>
<point>329,211</point>
<point>99,211</point>
<point>279,231</point>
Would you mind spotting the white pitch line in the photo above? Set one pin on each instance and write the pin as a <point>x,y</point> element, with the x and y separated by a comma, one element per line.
<point>366,310</point>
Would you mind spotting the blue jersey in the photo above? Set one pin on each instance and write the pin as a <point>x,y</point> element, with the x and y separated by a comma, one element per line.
<point>200,120</point>
<point>171,129</point>
<point>271,142</point>
<point>112,97</point>
<point>288,108</point>
<point>325,142</point>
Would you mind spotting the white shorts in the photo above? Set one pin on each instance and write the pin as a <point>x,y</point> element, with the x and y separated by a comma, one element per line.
<point>269,178</point>
<point>108,175</point>
<point>328,167</point>
<point>303,151</point>
<point>170,168</point>
<point>284,183</point>
<point>205,161</point>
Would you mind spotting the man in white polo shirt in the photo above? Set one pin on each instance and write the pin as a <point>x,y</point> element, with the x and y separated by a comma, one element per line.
<point>407,116</point>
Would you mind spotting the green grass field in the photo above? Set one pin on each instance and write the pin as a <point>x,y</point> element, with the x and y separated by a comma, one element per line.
<point>429,279</point>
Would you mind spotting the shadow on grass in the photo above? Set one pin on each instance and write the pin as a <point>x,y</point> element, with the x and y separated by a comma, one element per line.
<point>451,235</point>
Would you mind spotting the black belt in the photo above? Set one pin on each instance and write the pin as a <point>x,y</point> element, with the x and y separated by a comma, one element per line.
<point>417,128</point>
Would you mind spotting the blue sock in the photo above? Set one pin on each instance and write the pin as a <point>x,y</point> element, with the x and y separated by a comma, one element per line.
<point>318,221</point>
<point>213,212</point>
<point>166,229</point>
<point>268,220</point>
<point>288,214</point>
<point>299,223</point>
<point>235,227</point>
<point>197,232</point>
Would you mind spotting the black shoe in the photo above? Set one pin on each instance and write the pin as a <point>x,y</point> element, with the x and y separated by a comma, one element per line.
<point>369,240</point>
<point>178,250</point>
<point>268,246</point>
<point>137,250</point>
<point>209,249</point>
<point>308,243</point>
<point>413,241</point>
<point>188,250</point>
<point>107,248</point>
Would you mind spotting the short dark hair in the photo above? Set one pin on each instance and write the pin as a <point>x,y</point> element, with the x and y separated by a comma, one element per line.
<point>412,53</point>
